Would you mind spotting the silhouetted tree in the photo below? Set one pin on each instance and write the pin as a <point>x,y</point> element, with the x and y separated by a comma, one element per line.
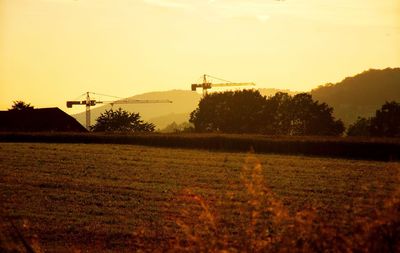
<point>362,127</point>
<point>230,112</point>
<point>248,111</point>
<point>275,119</point>
<point>20,105</point>
<point>308,117</point>
<point>121,121</point>
<point>387,120</point>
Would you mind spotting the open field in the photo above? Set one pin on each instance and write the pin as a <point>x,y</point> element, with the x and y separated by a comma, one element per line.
<point>72,197</point>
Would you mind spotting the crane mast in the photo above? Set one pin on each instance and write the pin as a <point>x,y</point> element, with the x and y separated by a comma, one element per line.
<point>206,85</point>
<point>90,102</point>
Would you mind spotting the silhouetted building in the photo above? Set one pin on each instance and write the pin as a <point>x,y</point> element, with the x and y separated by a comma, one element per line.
<point>38,120</point>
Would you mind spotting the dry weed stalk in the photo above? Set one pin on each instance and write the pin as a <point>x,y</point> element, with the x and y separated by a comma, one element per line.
<point>269,226</point>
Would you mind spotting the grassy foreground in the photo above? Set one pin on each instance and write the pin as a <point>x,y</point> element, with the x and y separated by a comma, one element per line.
<point>93,197</point>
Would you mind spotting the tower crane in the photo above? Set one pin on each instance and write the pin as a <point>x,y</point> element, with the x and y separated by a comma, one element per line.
<point>208,85</point>
<point>91,102</point>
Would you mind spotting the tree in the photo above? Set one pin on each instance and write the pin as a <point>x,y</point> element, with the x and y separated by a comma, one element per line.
<point>248,111</point>
<point>229,112</point>
<point>309,117</point>
<point>362,127</point>
<point>20,106</point>
<point>387,120</point>
<point>275,118</point>
<point>121,121</point>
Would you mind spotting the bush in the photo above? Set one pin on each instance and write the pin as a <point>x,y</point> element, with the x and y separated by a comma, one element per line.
<point>121,121</point>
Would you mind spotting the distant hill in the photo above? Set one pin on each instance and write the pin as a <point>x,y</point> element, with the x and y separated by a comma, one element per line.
<point>360,95</point>
<point>162,121</point>
<point>184,102</point>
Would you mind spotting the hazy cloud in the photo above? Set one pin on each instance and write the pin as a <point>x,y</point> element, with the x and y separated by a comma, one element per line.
<point>340,11</point>
<point>175,4</point>
<point>222,9</point>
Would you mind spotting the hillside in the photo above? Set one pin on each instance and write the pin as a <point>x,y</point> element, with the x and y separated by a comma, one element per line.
<point>184,102</point>
<point>362,94</point>
<point>162,121</point>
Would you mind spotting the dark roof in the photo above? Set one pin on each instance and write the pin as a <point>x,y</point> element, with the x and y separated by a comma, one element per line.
<point>38,120</point>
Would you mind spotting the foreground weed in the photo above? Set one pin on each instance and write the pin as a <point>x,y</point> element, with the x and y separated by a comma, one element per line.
<point>264,224</point>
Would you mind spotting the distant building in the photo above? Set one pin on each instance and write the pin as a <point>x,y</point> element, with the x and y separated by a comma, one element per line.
<point>38,120</point>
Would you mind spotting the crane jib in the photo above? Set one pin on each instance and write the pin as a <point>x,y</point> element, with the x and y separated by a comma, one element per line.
<point>206,85</point>
<point>90,102</point>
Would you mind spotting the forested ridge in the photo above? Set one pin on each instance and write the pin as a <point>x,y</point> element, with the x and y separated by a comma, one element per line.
<point>360,95</point>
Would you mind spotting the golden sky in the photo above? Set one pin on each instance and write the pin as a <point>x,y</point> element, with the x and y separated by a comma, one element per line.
<point>54,50</point>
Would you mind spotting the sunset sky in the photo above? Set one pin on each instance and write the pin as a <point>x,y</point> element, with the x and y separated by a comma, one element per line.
<point>54,50</point>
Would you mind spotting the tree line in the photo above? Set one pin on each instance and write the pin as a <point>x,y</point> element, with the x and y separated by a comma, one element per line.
<point>247,111</point>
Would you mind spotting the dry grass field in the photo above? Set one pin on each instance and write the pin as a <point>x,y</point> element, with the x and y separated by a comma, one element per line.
<point>122,198</point>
